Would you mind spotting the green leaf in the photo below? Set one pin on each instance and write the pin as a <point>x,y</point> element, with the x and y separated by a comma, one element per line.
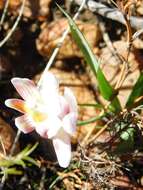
<point>20,162</point>
<point>11,171</point>
<point>5,163</point>
<point>23,153</point>
<point>136,92</point>
<point>105,88</point>
<point>31,149</point>
<point>31,160</point>
<point>26,151</point>
<point>128,134</point>
<point>91,105</point>
<point>126,142</point>
<point>91,120</point>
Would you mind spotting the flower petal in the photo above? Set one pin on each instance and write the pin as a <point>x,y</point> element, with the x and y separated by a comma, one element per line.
<point>50,127</point>
<point>26,88</point>
<point>69,96</point>
<point>24,124</point>
<point>62,147</point>
<point>63,107</point>
<point>49,82</point>
<point>16,104</point>
<point>42,129</point>
<point>69,123</point>
<point>54,124</point>
<point>49,86</point>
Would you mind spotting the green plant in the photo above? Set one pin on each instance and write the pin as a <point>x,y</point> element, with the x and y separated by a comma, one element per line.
<point>8,163</point>
<point>114,109</point>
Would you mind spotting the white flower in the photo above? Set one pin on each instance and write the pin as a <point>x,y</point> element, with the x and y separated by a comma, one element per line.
<point>52,116</point>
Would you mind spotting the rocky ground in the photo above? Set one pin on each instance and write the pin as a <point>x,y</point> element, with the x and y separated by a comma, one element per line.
<point>26,53</point>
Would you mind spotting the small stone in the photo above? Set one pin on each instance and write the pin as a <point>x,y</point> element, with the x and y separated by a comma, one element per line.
<point>7,136</point>
<point>51,34</point>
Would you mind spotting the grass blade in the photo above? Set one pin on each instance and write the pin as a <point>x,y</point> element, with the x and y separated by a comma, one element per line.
<point>136,92</point>
<point>104,86</point>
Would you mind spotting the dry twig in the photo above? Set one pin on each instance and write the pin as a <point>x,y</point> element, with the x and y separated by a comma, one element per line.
<point>4,13</point>
<point>56,50</point>
<point>14,26</point>
<point>111,13</point>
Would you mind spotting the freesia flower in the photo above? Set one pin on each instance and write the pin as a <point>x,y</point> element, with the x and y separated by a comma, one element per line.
<point>47,112</point>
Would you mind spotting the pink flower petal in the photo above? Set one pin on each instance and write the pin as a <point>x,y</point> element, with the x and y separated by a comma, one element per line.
<point>62,146</point>
<point>42,129</point>
<point>16,104</point>
<point>69,123</point>
<point>54,124</point>
<point>49,86</point>
<point>63,107</point>
<point>69,96</point>
<point>24,124</point>
<point>53,104</point>
<point>26,88</point>
<point>49,128</point>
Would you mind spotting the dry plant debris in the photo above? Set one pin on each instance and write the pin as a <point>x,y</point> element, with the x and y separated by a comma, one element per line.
<point>112,68</point>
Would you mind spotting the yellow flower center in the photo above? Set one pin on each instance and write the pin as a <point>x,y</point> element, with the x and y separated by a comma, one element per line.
<point>36,115</point>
